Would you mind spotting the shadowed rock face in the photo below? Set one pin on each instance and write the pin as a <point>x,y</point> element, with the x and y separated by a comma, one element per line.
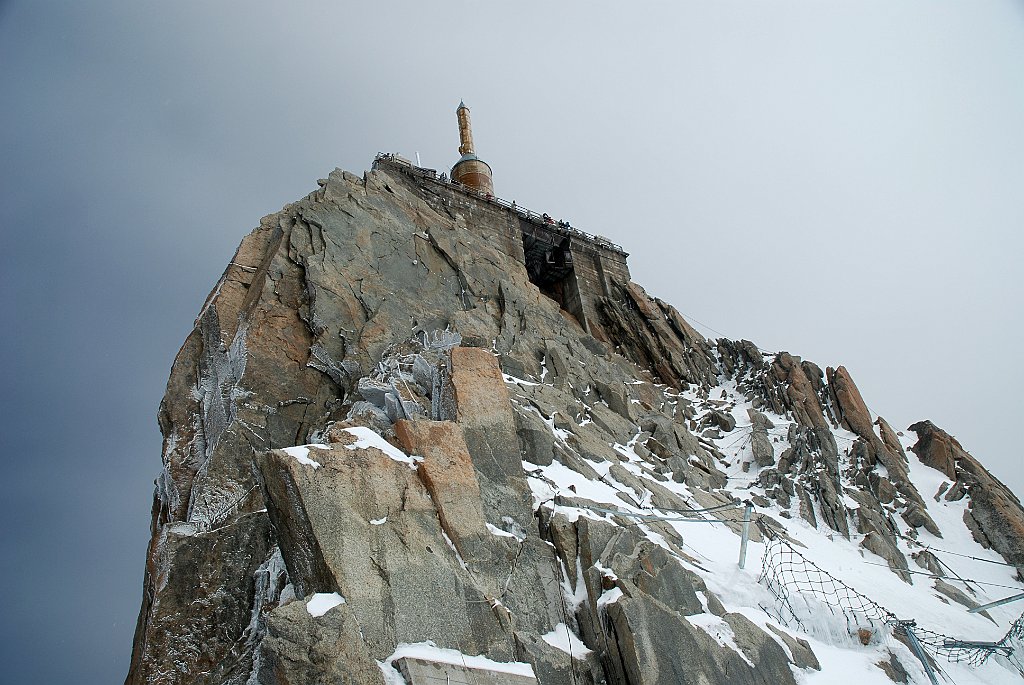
<point>398,330</point>
<point>202,584</point>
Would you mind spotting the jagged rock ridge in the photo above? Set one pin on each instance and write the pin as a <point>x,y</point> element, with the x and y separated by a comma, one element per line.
<point>465,426</point>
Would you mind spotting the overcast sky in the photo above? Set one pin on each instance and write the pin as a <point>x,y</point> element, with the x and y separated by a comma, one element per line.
<point>841,180</point>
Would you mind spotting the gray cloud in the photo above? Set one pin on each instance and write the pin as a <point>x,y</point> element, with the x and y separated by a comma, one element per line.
<point>839,180</point>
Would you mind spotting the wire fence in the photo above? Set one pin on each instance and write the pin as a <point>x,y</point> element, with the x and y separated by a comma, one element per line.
<point>803,590</point>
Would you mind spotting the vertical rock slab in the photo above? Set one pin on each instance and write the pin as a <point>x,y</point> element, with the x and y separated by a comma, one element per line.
<point>501,563</point>
<point>889,439</point>
<point>760,443</point>
<point>853,412</point>
<point>936,448</point>
<point>484,411</point>
<point>448,474</point>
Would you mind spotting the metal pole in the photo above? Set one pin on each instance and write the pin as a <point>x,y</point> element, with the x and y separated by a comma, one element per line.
<point>908,627</point>
<point>998,602</point>
<point>747,513</point>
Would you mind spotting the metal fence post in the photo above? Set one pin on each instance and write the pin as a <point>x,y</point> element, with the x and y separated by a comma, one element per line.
<point>908,628</point>
<point>998,602</point>
<point>747,513</point>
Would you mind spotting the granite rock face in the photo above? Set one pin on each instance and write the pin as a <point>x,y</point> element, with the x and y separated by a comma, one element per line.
<point>995,516</point>
<point>378,404</point>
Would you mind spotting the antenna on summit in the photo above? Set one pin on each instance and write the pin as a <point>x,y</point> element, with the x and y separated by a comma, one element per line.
<point>418,159</point>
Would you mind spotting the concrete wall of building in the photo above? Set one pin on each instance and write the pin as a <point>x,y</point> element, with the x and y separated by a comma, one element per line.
<point>596,269</point>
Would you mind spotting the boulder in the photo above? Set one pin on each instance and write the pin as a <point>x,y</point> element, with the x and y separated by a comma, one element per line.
<point>916,516</point>
<point>723,420</point>
<point>401,579</point>
<point>802,654</point>
<point>302,648</point>
<point>617,399</point>
<point>760,443</point>
<point>373,391</point>
<point>959,596</point>
<point>878,543</point>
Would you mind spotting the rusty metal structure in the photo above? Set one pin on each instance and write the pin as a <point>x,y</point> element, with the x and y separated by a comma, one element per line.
<point>470,170</point>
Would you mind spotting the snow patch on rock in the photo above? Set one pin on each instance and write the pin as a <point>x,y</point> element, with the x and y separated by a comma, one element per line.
<point>322,602</point>
<point>561,637</point>
<point>428,651</point>
<point>366,437</point>
<point>301,454</point>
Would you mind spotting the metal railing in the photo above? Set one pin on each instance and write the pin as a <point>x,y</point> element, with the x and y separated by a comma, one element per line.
<point>401,164</point>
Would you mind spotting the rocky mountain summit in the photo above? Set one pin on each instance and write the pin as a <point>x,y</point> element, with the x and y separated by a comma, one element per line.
<point>414,438</point>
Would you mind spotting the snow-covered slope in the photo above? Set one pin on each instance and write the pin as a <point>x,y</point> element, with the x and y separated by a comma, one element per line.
<point>712,545</point>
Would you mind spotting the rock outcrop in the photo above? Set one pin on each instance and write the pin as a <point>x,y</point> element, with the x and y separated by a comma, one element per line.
<point>995,516</point>
<point>381,433</point>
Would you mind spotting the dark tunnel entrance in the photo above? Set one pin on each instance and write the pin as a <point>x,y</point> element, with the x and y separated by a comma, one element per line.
<point>549,265</point>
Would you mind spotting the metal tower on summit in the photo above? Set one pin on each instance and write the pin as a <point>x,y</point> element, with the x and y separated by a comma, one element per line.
<point>470,170</point>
